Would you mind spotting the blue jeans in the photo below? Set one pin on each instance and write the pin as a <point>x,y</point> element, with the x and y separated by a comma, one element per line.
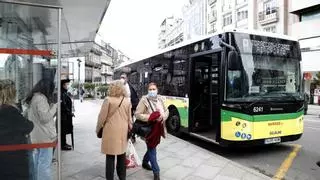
<point>42,163</point>
<point>151,155</point>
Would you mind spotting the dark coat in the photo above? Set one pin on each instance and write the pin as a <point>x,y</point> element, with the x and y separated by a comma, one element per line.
<point>134,98</point>
<point>66,113</point>
<point>14,129</point>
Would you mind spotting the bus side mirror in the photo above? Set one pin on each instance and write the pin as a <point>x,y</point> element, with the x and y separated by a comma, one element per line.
<point>234,63</point>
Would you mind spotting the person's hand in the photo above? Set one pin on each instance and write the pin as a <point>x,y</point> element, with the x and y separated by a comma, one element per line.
<point>160,118</point>
<point>130,126</point>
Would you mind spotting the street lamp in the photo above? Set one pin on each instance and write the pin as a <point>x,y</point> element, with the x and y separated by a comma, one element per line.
<point>79,61</point>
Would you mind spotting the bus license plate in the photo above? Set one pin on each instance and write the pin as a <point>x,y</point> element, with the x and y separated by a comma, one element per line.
<point>272,140</point>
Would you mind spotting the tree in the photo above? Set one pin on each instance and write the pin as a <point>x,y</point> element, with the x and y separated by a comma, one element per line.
<point>75,85</point>
<point>89,87</point>
<point>103,89</point>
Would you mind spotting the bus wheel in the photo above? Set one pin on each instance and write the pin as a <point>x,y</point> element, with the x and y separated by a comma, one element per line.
<point>173,122</point>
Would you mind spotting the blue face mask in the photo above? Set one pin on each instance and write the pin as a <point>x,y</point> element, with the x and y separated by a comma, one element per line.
<point>152,93</point>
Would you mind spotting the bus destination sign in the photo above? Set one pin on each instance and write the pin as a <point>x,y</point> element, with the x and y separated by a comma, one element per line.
<point>265,48</point>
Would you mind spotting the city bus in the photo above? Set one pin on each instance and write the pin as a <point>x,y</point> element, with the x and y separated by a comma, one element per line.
<point>232,88</point>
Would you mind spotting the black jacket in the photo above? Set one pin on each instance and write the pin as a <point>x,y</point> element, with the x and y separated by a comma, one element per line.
<point>66,113</point>
<point>14,129</point>
<point>134,97</point>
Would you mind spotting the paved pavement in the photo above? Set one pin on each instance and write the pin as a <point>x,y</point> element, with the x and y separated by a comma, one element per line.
<point>177,158</point>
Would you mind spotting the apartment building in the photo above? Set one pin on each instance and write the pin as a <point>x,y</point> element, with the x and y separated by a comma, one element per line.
<point>202,17</point>
<point>305,25</point>
<point>195,19</point>
<point>100,62</point>
<point>171,32</point>
<point>264,15</point>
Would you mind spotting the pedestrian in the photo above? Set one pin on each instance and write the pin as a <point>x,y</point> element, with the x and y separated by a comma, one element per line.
<point>152,108</point>
<point>41,111</point>
<point>115,119</point>
<point>81,93</point>
<point>14,130</point>
<point>66,115</point>
<point>132,94</point>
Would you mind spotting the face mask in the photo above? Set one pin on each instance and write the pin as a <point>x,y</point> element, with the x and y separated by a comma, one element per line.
<point>152,93</point>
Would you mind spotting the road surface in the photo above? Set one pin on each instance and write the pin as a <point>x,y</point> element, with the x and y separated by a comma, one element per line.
<point>268,160</point>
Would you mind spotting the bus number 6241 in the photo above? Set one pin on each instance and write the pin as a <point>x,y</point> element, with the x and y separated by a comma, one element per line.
<point>257,109</point>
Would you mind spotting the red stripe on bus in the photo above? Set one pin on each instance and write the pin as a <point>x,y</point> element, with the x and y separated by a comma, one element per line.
<point>26,51</point>
<point>17,147</point>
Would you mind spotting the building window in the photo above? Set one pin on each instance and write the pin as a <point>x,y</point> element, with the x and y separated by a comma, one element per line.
<point>311,15</point>
<point>270,29</point>
<point>269,7</point>
<point>227,5</point>
<point>241,15</point>
<point>227,19</point>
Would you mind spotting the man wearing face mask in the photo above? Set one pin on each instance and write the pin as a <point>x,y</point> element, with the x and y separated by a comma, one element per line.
<point>132,94</point>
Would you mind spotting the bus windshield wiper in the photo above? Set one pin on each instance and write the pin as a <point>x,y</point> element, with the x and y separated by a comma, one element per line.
<point>284,95</point>
<point>258,100</point>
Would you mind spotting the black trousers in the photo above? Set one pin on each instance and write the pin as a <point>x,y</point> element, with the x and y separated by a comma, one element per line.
<point>63,139</point>
<point>121,166</point>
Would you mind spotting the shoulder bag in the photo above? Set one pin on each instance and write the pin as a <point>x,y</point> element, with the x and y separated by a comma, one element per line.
<point>142,128</point>
<point>101,129</point>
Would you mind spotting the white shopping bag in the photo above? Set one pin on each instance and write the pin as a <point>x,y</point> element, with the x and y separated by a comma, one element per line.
<point>132,158</point>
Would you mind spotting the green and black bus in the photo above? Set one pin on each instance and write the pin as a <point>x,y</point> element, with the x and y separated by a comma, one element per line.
<point>233,88</point>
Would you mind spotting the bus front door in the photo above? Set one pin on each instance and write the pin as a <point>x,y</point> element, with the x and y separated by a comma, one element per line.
<point>204,99</point>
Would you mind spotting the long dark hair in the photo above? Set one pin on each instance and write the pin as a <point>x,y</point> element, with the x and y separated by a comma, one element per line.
<point>45,87</point>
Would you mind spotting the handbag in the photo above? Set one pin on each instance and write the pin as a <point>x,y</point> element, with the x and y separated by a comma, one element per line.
<point>99,135</point>
<point>142,128</point>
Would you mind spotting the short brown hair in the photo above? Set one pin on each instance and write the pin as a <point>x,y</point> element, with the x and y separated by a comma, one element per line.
<point>116,89</point>
<point>7,92</point>
<point>152,84</point>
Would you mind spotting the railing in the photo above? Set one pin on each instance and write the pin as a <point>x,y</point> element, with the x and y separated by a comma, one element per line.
<point>269,16</point>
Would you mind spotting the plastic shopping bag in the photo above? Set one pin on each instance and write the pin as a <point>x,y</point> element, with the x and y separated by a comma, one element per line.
<point>132,158</point>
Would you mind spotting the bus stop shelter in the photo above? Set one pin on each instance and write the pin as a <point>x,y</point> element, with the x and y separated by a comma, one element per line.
<point>37,34</point>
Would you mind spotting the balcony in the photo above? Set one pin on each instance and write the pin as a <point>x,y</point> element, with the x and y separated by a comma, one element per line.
<point>269,16</point>
<point>212,1</point>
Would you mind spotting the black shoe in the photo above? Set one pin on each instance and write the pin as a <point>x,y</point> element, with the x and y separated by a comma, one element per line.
<point>156,176</point>
<point>66,148</point>
<point>318,163</point>
<point>146,166</point>
<point>133,139</point>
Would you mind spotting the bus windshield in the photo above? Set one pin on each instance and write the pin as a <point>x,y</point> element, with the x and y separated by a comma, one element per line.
<point>265,76</point>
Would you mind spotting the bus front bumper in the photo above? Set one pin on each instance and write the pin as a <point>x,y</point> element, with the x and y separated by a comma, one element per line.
<point>258,142</point>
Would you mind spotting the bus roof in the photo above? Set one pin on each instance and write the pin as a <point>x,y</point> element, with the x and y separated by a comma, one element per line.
<point>186,42</point>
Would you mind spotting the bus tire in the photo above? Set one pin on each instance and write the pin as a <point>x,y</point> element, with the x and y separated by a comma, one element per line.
<point>173,122</point>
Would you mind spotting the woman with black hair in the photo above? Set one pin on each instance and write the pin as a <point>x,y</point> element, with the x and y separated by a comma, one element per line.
<point>41,112</point>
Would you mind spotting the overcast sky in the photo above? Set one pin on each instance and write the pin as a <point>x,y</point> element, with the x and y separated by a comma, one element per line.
<point>133,26</point>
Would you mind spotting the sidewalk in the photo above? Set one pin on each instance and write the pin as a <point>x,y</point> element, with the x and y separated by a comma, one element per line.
<point>177,159</point>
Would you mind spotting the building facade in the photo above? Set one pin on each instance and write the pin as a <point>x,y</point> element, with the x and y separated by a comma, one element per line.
<point>263,15</point>
<point>171,32</point>
<point>305,26</point>
<point>195,19</point>
<point>100,62</point>
<point>203,17</point>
